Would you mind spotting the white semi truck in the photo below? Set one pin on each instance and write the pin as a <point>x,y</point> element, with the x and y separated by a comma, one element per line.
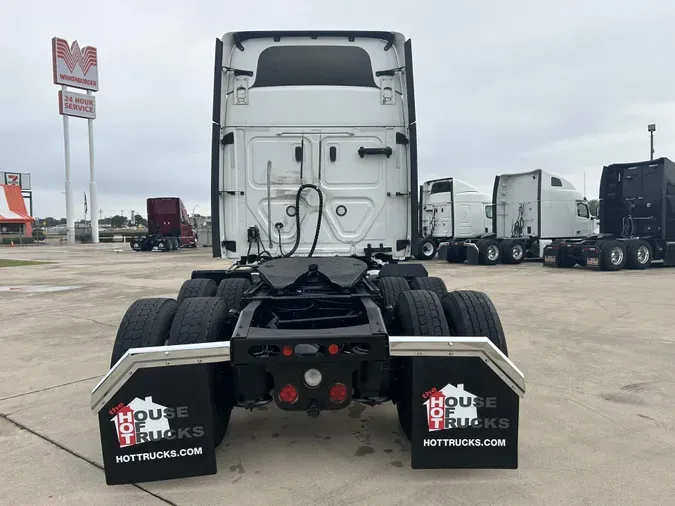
<point>530,211</point>
<point>451,209</point>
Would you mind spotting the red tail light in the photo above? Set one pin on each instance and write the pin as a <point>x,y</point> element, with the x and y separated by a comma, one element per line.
<point>288,394</point>
<point>338,393</point>
<point>287,351</point>
<point>333,349</point>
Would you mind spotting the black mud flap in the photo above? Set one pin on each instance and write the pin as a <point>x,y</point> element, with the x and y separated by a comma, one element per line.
<point>159,426</point>
<point>407,271</point>
<point>592,255</point>
<point>551,255</point>
<point>464,416</point>
<point>472,255</point>
<point>669,256</point>
<point>443,249</point>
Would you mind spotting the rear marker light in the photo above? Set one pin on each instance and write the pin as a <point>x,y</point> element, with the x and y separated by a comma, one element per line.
<point>288,394</point>
<point>287,351</point>
<point>333,349</point>
<point>338,392</point>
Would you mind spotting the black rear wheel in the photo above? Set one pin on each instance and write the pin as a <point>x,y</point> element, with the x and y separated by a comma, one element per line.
<point>489,252</point>
<point>472,313</point>
<point>231,291</point>
<point>639,254</point>
<point>613,255</point>
<point>426,248</point>
<point>433,284</point>
<point>204,320</point>
<point>418,313</point>
<point>199,287</point>
<point>146,323</point>
<point>513,251</point>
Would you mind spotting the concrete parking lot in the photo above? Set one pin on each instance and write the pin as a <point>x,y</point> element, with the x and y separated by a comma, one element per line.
<point>597,425</point>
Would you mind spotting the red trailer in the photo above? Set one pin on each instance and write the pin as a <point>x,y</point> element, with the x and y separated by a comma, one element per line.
<point>169,226</point>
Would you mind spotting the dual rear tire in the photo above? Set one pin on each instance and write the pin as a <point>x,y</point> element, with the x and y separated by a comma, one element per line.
<point>428,309</point>
<point>200,315</point>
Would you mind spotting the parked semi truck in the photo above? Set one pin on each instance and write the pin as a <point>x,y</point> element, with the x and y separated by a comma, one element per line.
<point>169,227</point>
<point>637,221</point>
<point>451,209</point>
<point>314,160</point>
<point>530,211</point>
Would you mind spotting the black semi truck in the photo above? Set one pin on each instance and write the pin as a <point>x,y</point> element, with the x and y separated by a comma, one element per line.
<point>637,221</point>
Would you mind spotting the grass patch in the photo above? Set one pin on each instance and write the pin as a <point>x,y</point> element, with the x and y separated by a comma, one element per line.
<point>20,263</point>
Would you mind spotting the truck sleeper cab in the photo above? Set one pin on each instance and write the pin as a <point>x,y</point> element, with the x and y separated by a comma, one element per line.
<point>637,221</point>
<point>332,110</point>
<point>530,210</point>
<point>451,209</point>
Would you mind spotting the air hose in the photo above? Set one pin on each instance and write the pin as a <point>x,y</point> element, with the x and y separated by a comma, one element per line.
<point>297,219</point>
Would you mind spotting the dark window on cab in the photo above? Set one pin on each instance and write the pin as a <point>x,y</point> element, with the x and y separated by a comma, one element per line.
<point>314,66</point>
<point>441,187</point>
<point>556,182</point>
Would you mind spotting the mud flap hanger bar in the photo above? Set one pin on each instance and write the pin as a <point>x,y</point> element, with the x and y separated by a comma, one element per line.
<point>399,346</point>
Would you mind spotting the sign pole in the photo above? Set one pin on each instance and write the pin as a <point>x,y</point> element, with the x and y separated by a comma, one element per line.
<point>70,226</point>
<point>92,180</point>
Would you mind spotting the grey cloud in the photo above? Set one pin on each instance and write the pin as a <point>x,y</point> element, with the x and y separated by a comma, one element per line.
<point>501,86</point>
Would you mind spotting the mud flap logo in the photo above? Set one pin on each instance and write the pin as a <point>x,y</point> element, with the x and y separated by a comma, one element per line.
<point>143,421</point>
<point>452,407</point>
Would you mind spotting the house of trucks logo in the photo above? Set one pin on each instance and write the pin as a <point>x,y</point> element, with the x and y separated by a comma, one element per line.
<point>143,421</point>
<point>452,407</point>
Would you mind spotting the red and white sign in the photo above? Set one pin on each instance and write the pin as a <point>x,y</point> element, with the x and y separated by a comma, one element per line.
<point>16,179</point>
<point>74,66</point>
<point>77,104</point>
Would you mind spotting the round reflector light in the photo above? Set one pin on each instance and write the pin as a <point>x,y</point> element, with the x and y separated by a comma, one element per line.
<point>313,378</point>
<point>287,351</point>
<point>288,394</point>
<point>338,392</point>
<point>333,349</point>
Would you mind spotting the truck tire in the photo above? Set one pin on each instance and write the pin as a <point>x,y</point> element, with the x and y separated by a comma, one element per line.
<point>204,320</point>
<point>230,291</point>
<point>513,252</point>
<point>391,288</point>
<point>613,255</point>
<point>489,252</point>
<point>146,323</point>
<point>199,287</point>
<point>419,313</point>
<point>472,313</point>
<point>426,249</point>
<point>436,285</point>
<point>638,254</point>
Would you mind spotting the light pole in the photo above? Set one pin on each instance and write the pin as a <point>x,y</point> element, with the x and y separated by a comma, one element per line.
<point>651,128</point>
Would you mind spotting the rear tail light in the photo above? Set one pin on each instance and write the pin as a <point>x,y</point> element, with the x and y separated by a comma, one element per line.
<point>338,393</point>
<point>288,394</point>
<point>287,351</point>
<point>333,349</point>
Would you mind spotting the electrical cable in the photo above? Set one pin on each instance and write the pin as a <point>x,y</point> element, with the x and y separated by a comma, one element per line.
<point>297,220</point>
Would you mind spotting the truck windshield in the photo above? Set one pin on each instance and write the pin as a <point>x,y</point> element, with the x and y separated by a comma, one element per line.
<point>314,66</point>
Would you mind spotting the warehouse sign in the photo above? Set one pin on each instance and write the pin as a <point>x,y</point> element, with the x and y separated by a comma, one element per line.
<point>77,104</point>
<point>74,66</point>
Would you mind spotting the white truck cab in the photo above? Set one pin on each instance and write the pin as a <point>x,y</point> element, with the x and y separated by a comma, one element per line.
<point>330,109</point>
<point>451,209</point>
<point>530,210</point>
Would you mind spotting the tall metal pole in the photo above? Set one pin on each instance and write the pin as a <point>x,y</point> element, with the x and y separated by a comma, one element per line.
<point>93,197</point>
<point>70,226</point>
<point>651,145</point>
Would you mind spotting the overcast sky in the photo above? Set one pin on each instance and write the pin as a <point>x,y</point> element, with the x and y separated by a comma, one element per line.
<point>501,86</point>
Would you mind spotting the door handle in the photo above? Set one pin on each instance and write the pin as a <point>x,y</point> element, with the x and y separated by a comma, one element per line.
<point>375,151</point>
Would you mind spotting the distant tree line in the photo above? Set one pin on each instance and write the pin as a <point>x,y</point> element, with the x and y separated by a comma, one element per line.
<point>116,221</point>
